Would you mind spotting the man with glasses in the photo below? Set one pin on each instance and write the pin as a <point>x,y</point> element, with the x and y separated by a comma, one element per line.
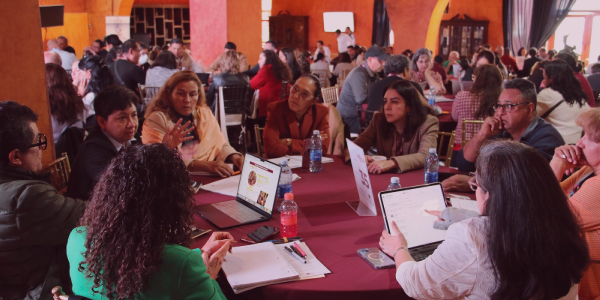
<point>126,70</point>
<point>356,86</point>
<point>515,119</point>
<point>35,219</point>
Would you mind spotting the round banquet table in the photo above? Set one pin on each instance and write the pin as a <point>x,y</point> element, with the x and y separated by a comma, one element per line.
<point>332,231</point>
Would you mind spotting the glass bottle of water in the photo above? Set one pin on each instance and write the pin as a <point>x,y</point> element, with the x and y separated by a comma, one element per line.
<point>432,165</point>
<point>316,152</point>
<point>394,184</point>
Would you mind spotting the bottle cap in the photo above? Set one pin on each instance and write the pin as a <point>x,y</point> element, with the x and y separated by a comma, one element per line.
<point>316,132</point>
<point>395,180</point>
<point>288,196</point>
<point>283,162</point>
<point>432,150</point>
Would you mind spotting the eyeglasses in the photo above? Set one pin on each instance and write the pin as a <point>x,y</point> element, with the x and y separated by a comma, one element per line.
<point>303,94</point>
<point>507,107</point>
<point>473,183</point>
<point>42,142</point>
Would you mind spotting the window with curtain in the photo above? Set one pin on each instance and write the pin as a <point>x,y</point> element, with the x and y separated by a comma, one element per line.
<point>571,26</point>
<point>266,6</point>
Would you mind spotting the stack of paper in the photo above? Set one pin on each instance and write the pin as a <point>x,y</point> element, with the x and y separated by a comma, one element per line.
<point>251,266</point>
<point>229,186</point>
<point>295,161</point>
<point>465,204</point>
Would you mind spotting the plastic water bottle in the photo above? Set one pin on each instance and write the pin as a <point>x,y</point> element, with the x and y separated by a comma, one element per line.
<point>289,216</point>
<point>432,165</point>
<point>431,97</point>
<point>316,152</point>
<point>285,180</point>
<point>394,185</point>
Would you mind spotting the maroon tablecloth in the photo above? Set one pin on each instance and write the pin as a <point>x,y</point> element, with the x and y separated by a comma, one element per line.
<point>333,232</point>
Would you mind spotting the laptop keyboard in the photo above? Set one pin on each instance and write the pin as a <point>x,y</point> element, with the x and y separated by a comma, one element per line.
<point>237,211</point>
<point>420,256</point>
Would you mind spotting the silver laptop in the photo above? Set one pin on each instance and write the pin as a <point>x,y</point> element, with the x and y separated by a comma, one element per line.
<point>255,196</point>
<point>407,208</point>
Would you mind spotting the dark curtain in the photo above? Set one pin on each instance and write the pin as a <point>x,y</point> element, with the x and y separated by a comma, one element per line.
<point>517,22</point>
<point>548,14</point>
<point>381,25</point>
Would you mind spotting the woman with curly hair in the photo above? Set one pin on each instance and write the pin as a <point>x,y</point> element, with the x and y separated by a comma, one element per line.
<point>562,101</point>
<point>134,235</point>
<point>66,107</point>
<point>97,77</point>
<point>181,102</point>
<point>268,80</point>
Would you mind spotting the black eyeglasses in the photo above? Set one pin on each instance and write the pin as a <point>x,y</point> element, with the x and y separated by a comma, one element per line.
<point>507,107</point>
<point>42,142</point>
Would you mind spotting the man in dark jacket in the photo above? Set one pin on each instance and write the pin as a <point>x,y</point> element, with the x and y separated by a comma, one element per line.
<point>35,220</point>
<point>117,123</point>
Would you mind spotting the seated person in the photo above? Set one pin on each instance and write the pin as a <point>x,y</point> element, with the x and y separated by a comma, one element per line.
<point>438,60</point>
<point>403,130</point>
<point>290,122</point>
<point>583,188</point>
<point>594,79</point>
<point>118,256</point>
<point>422,71</point>
<point>515,119</point>
<point>35,218</point>
<point>562,101</point>
<point>484,57</point>
<point>163,67</point>
<point>320,68</point>
<point>486,257</point>
<point>182,101</point>
<point>230,76</point>
<point>117,124</point>
<point>343,67</point>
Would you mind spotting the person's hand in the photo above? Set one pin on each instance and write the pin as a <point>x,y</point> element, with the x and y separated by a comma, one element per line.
<point>391,243</point>
<point>237,160</point>
<point>369,159</point>
<point>214,243</point>
<point>456,183</point>
<point>436,213</point>
<point>568,158</point>
<point>216,167</point>
<point>382,166</point>
<point>58,294</point>
<point>214,262</point>
<point>177,134</point>
<point>491,127</point>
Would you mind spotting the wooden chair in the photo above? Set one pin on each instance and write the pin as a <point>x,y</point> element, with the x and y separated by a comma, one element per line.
<point>442,136</point>
<point>60,169</point>
<point>231,109</point>
<point>147,93</point>
<point>323,77</point>
<point>259,145</point>
<point>475,126</point>
<point>330,95</point>
<point>342,77</point>
<point>285,90</point>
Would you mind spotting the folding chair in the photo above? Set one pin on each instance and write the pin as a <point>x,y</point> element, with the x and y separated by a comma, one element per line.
<point>330,95</point>
<point>60,169</point>
<point>442,136</point>
<point>231,110</point>
<point>475,125</point>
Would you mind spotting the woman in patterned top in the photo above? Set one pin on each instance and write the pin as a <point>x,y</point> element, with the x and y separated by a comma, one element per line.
<point>421,72</point>
<point>583,188</point>
<point>477,103</point>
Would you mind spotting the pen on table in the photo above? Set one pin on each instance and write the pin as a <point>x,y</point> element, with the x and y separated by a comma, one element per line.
<point>296,250</point>
<point>294,254</point>
<point>284,240</point>
<point>237,172</point>
<point>297,246</point>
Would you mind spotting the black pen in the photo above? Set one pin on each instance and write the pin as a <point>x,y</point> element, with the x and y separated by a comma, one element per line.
<point>292,253</point>
<point>285,240</point>
<point>296,251</point>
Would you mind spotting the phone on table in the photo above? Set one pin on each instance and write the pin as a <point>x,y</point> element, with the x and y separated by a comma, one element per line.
<point>376,258</point>
<point>260,234</point>
<point>197,232</point>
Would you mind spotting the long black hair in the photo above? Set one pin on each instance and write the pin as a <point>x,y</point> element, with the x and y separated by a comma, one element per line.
<point>280,70</point>
<point>534,244</point>
<point>101,75</point>
<point>416,105</point>
<point>565,82</point>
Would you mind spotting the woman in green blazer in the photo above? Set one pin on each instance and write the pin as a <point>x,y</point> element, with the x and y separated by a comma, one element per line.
<point>134,236</point>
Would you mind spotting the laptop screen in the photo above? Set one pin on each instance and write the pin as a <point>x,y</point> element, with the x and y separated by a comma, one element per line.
<point>258,183</point>
<point>407,208</point>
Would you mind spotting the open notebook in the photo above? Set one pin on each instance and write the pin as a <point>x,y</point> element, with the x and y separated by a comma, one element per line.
<point>251,266</point>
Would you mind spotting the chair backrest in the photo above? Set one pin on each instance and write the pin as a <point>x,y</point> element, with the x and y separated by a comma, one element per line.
<point>60,169</point>
<point>364,117</point>
<point>466,85</point>
<point>259,145</point>
<point>285,90</point>
<point>330,95</point>
<point>442,137</point>
<point>342,77</point>
<point>474,126</point>
<point>232,101</point>
<point>147,93</point>
<point>323,78</point>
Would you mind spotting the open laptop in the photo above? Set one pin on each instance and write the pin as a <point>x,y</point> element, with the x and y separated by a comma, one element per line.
<point>255,196</point>
<point>406,207</point>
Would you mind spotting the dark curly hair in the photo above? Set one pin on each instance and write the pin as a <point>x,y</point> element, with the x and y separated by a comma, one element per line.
<point>141,202</point>
<point>280,70</point>
<point>565,82</point>
<point>65,105</point>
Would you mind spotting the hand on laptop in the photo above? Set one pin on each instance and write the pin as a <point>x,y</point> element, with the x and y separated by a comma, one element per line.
<point>391,243</point>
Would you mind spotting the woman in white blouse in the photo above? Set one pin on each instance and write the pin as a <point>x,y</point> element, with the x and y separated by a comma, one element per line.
<point>527,244</point>
<point>562,101</point>
<point>320,68</point>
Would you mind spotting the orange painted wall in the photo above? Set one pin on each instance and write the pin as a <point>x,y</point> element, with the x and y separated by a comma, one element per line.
<point>410,21</point>
<point>208,22</point>
<point>75,29</point>
<point>314,9</point>
<point>244,31</point>
<point>489,10</point>
<point>71,6</point>
<point>23,75</point>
